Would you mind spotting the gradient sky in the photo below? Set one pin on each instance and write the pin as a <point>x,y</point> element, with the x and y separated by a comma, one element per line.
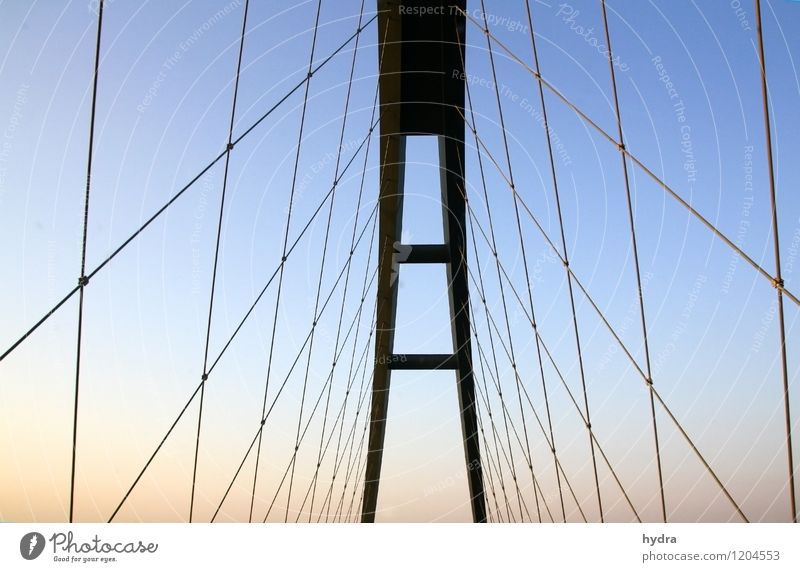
<point>164,99</point>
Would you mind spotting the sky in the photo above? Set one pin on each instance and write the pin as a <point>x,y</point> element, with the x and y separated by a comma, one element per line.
<point>690,96</point>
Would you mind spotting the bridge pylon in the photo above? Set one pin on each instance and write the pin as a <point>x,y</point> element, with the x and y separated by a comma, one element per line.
<point>422,87</point>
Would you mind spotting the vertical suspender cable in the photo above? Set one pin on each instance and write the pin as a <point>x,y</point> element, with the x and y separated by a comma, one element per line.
<point>778,280</point>
<point>228,150</point>
<point>635,248</point>
<point>83,280</point>
<point>283,259</point>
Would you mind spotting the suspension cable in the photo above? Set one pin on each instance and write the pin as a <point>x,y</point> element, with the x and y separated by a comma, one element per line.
<point>778,281</point>
<point>668,189</point>
<point>637,268</point>
<point>83,280</point>
<point>292,367</point>
<point>321,271</point>
<point>228,150</point>
<point>616,336</point>
<point>196,391</point>
<point>283,259</point>
<point>124,244</point>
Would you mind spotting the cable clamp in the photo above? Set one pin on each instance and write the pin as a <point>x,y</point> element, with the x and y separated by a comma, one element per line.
<point>204,377</point>
<point>230,147</point>
<point>777,283</point>
<point>83,281</point>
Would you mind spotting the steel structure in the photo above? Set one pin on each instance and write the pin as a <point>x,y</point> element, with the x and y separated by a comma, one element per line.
<point>422,89</point>
<point>422,93</point>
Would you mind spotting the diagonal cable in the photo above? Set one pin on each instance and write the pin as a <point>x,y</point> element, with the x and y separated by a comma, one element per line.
<point>124,244</point>
<point>283,259</point>
<point>294,245</point>
<point>191,398</point>
<point>619,341</point>
<point>634,159</point>
<point>291,369</point>
<point>323,258</point>
<point>228,150</point>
